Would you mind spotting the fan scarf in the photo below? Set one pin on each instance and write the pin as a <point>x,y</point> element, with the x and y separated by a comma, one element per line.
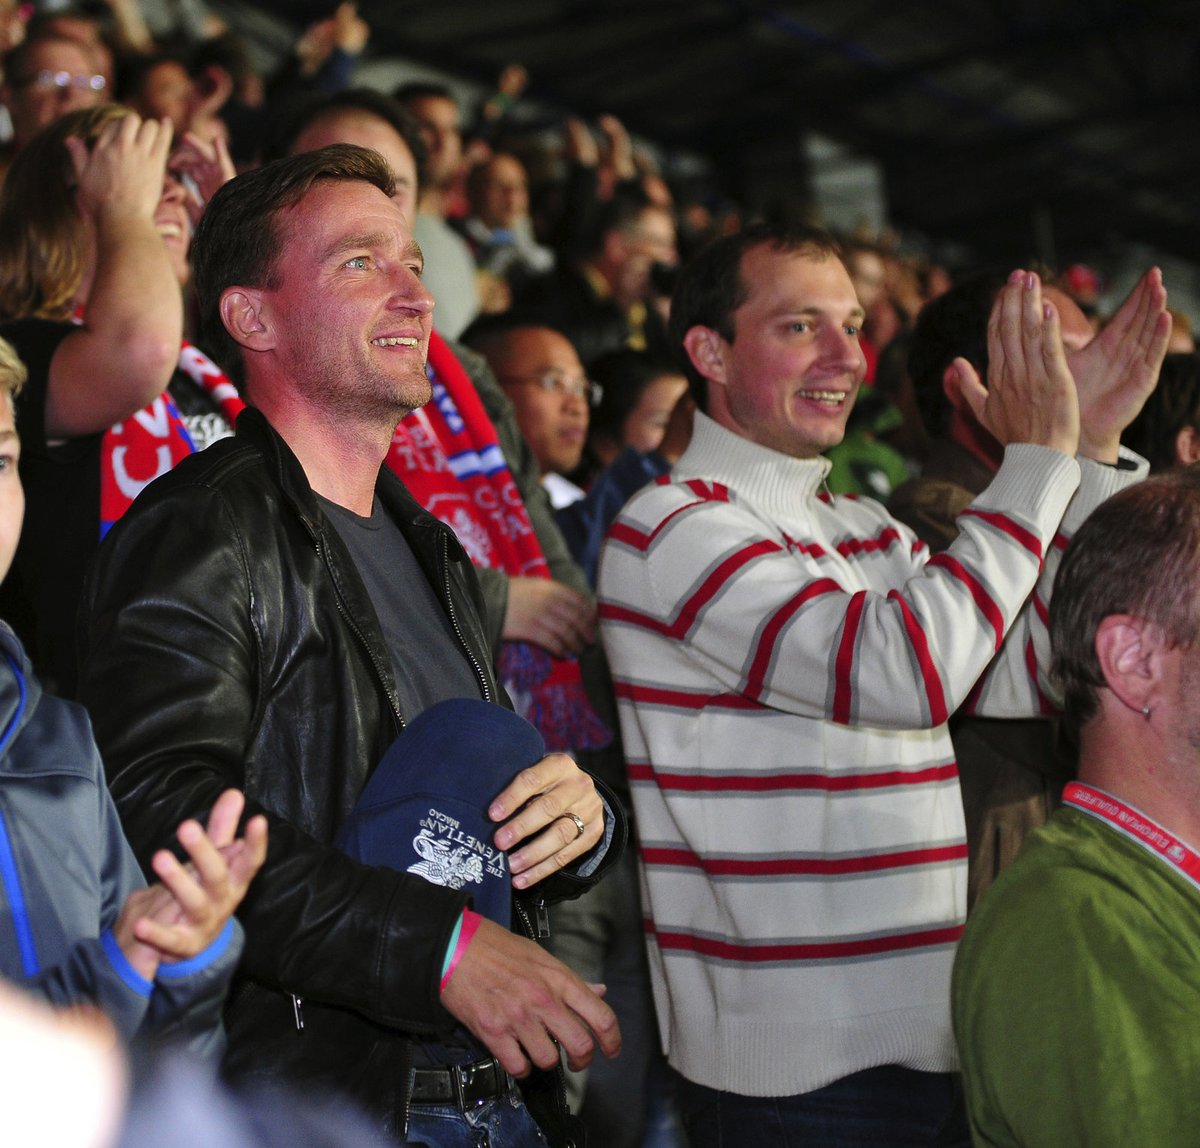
<point>448,456</point>
<point>135,451</point>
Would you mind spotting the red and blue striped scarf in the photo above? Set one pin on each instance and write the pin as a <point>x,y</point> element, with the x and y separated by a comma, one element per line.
<point>449,457</point>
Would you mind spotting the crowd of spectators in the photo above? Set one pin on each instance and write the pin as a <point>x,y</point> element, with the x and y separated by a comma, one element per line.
<point>561,387</point>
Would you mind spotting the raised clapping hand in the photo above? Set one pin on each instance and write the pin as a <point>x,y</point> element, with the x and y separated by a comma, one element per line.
<point>1117,371</point>
<point>1030,396</point>
<point>510,993</point>
<point>184,913</point>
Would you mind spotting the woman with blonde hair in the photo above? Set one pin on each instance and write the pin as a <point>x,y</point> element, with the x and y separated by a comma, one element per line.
<point>94,231</point>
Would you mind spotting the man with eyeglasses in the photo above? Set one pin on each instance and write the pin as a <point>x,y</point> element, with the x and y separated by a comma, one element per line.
<point>542,375</point>
<point>46,77</point>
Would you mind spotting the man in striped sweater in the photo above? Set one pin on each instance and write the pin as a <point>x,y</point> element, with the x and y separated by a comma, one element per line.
<point>785,664</point>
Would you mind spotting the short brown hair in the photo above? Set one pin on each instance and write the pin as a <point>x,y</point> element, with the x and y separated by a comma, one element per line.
<point>43,238</point>
<point>711,288</point>
<point>1138,554</point>
<point>238,239</point>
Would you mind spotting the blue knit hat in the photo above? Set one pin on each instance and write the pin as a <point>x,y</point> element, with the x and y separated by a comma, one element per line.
<point>424,809</point>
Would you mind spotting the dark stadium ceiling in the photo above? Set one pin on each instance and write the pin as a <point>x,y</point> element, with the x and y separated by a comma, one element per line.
<point>994,121</point>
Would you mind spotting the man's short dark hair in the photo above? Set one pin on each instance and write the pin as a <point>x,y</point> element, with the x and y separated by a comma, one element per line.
<point>1172,406</point>
<point>711,287</point>
<point>423,90</point>
<point>1137,554</point>
<point>238,239</point>
<point>952,325</point>
<point>283,130</point>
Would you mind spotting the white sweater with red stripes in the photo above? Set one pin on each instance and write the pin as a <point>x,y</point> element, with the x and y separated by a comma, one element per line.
<point>785,664</point>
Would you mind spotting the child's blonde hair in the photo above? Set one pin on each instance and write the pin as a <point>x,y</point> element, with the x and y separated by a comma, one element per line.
<point>12,371</point>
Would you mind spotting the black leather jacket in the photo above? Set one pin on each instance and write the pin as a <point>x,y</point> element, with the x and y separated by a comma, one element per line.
<point>229,641</point>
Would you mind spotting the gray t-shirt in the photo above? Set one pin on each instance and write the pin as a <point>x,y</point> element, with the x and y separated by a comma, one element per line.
<point>429,662</point>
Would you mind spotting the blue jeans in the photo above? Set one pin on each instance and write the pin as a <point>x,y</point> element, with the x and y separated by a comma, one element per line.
<point>888,1107</point>
<point>502,1123</point>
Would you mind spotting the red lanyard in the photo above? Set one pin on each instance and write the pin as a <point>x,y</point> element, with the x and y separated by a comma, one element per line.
<point>1136,826</point>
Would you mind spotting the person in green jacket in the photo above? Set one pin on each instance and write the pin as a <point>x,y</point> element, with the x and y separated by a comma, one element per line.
<point>1076,989</point>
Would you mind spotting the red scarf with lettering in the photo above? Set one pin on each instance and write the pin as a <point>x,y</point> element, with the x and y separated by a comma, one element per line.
<point>135,451</point>
<point>448,456</point>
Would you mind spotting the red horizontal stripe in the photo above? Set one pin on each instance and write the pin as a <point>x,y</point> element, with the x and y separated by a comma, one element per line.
<point>708,590</point>
<point>882,541</point>
<point>611,612</point>
<point>717,579</point>
<point>803,866</point>
<point>624,533</point>
<point>779,782</point>
<point>756,681</point>
<point>812,549</point>
<point>934,695</point>
<point>1025,537</point>
<point>1061,541</point>
<point>630,536</point>
<point>708,491</point>
<point>636,539</point>
<point>1043,611</point>
<point>747,953</point>
<point>844,663</point>
<point>983,600</point>
<point>680,699</point>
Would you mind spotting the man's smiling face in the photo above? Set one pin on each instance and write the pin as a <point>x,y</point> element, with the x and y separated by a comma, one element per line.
<point>790,375</point>
<point>350,315</point>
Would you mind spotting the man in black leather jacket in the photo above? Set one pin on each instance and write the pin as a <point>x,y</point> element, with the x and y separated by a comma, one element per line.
<point>231,638</point>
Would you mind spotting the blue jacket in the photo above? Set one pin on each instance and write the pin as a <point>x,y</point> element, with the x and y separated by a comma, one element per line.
<point>66,870</point>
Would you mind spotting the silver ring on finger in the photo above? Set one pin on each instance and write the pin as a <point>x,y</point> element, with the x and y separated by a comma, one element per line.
<point>580,826</point>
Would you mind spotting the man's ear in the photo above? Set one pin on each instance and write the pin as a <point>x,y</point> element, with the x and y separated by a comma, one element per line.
<point>243,315</point>
<point>1130,652</point>
<point>952,388</point>
<point>703,346</point>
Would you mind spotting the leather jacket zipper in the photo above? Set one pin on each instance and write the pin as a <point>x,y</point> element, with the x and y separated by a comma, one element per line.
<point>462,641</point>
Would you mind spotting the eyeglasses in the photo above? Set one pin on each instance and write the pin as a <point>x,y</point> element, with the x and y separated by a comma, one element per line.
<point>565,386</point>
<point>46,80</point>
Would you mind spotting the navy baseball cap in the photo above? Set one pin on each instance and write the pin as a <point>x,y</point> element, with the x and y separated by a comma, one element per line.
<point>424,809</point>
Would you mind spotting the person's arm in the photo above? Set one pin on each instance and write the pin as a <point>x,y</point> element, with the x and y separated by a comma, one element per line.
<point>1113,376</point>
<point>178,636</point>
<point>794,626</point>
<point>95,970</point>
<point>122,356</point>
<point>557,614</point>
<point>180,652</point>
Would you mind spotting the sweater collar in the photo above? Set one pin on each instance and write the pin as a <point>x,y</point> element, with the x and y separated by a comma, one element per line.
<point>767,479</point>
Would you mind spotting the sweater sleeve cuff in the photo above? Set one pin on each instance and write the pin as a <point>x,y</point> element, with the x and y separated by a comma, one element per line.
<point>121,966</point>
<point>1099,481</point>
<point>1036,482</point>
<point>214,951</point>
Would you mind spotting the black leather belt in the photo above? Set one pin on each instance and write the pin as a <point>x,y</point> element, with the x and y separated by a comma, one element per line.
<point>463,1085</point>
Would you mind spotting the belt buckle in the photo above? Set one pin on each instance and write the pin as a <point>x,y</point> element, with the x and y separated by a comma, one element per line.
<point>462,1077</point>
